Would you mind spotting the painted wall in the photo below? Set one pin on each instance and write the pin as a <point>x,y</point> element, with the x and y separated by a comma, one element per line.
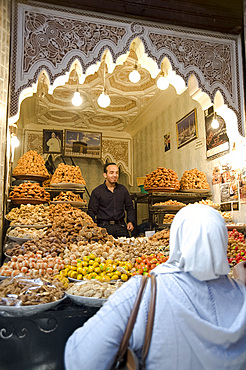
<point>148,145</point>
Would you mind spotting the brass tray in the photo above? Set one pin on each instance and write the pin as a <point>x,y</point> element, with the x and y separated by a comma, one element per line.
<point>195,190</point>
<point>33,177</point>
<point>238,227</point>
<point>28,201</point>
<point>160,189</point>
<point>168,207</point>
<point>73,203</point>
<point>67,185</point>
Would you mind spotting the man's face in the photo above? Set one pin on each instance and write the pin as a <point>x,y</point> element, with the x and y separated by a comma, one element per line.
<point>112,174</point>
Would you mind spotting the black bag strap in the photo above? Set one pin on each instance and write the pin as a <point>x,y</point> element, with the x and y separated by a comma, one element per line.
<point>150,322</point>
<point>131,321</point>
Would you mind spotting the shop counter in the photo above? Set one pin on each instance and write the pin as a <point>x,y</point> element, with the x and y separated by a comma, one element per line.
<point>37,342</point>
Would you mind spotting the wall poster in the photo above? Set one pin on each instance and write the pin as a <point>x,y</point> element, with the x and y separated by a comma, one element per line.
<point>217,141</point>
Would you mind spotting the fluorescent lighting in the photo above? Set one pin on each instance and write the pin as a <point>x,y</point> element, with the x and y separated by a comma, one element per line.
<point>77,100</point>
<point>103,100</point>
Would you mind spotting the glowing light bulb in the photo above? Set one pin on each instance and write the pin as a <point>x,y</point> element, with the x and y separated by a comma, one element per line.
<point>162,83</point>
<point>134,76</point>
<point>103,100</point>
<point>215,123</point>
<point>15,141</point>
<point>77,100</point>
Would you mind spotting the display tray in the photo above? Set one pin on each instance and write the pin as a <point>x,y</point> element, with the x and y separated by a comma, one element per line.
<point>165,225</point>
<point>194,190</point>
<point>33,177</point>
<point>29,226</point>
<point>28,201</point>
<point>3,278</point>
<point>18,240</point>
<point>168,207</point>
<point>67,185</point>
<point>227,219</point>
<point>29,310</point>
<point>213,206</point>
<point>73,203</point>
<point>238,227</point>
<point>160,190</point>
<point>86,301</point>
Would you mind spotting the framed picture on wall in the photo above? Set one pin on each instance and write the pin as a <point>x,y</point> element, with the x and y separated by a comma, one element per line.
<point>167,145</point>
<point>186,128</point>
<point>83,144</point>
<point>52,141</point>
<point>217,141</point>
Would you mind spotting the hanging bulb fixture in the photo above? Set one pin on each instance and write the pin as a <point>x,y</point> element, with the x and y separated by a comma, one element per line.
<point>134,76</point>
<point>162,82</point>
<point>76,100</point>
<point>215,123</point>
<point>103,100</point>
<point>14,141</point>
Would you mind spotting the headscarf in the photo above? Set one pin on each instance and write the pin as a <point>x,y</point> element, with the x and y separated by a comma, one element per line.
<point>198,243</point>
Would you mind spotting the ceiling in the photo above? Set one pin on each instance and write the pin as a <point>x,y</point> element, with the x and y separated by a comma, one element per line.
<point>128,101</point>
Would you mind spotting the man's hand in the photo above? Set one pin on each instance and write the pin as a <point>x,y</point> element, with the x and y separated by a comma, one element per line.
<point>130,226</point>
<point>239,272</point>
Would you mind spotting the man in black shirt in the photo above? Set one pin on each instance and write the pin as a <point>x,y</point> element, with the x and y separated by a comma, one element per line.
<point>108,203</point>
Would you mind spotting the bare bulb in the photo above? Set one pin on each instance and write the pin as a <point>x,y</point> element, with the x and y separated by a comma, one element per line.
<point>77,100</point>
<point>103,100</point>
<point>134,76</point>
<point>215,123</point>
<point>162,83</point>
<point>15,141</point>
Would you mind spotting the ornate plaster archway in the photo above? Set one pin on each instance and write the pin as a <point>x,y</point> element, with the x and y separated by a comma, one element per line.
<point>48,41</point>
<point>51,38</point>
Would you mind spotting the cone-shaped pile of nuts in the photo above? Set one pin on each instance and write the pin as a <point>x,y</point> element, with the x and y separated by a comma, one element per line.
<point>193,179</point>
<point>31,163</point>
<point>67,174</point>
<point>162,178</point>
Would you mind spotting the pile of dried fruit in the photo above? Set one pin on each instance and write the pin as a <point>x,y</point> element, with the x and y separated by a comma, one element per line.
<point>236,250</point>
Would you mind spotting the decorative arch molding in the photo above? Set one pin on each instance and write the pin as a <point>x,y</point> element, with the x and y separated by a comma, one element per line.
<point>51,38</point>
<point>118,150</point>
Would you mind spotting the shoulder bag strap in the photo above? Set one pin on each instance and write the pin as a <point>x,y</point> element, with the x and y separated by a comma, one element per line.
<point>150,322</point>
<point>131,321</point>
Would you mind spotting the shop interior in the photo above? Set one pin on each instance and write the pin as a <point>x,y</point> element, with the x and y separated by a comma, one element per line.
<point>129,103</point>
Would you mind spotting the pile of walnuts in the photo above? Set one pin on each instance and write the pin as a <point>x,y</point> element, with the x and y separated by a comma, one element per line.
<point>162,178</point>
<point>194,179</point>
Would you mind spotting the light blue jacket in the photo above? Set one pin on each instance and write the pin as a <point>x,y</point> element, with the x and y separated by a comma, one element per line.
<point>198,325</point>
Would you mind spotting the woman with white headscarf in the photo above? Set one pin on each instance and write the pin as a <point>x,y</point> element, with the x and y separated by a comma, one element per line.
<point>200,315</point>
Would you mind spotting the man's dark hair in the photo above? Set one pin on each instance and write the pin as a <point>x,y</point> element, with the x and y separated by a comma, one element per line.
<point>106,166</point>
